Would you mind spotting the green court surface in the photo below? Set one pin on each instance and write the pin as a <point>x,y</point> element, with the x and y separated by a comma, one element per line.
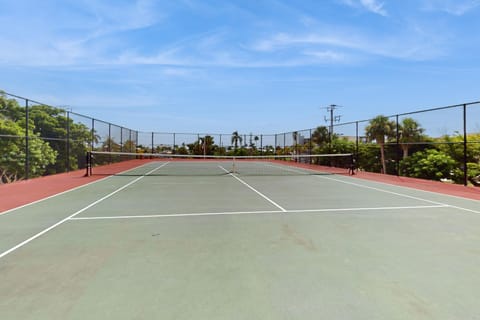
<point>233,246</point>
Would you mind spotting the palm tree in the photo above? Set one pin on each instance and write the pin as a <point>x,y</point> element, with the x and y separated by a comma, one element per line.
<point>295,139</point>
<point>410,132</point>
<point>379,129</point>
<point>236,139</point>
<point>205,145</point>
<point>320,135</point>
<point>256,138</point>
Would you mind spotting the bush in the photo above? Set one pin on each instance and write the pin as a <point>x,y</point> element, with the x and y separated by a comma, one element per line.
<point>430,164</point>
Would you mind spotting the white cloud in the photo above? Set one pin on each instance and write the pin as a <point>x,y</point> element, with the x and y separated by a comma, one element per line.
<point>454,7</point>
<point>77,36</point>
<point>374,7</point>
<point>370,5</point>
<point>327,56</point>
<point>414,43</point>
<point>284,40</point>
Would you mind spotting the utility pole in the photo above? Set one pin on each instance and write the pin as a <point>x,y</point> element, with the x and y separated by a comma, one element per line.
<point>333,118</point>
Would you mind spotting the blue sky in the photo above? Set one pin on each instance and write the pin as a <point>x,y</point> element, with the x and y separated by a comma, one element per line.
<point>261,66</point>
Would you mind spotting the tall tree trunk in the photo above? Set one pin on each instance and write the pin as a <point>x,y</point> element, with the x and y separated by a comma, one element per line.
<point>405,148</point>
<point>382,158</point>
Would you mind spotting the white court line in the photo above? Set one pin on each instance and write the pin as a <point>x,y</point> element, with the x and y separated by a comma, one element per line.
<point>202,214</point>
<point>3,254</point>
<point>401,194</point>
<point>177,215</point>
<point>255,190</point>
<point>380,190</point>
<point>63,192</point>
<point>426,191</point>
<point>396,193</point>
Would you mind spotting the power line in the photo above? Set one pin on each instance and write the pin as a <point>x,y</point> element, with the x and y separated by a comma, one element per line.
<point>333,118</point>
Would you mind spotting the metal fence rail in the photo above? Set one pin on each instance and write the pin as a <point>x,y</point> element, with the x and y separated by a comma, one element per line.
<point>70,135</point>
<point>33,130</point>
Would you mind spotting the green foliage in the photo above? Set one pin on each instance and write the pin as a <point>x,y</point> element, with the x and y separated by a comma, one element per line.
<point>410,132</point>
<point>182,149</point>
<point>430,164</point>
<point>55,141</point>
<point>379,129</point>
<point>11,109</point>
<point>203,146</point>
<point>369,157</point>
<point>453,146</point>
<point>13,156</point>
<point>236,139</point>
<point>320,136</point>
<point>111,146</point>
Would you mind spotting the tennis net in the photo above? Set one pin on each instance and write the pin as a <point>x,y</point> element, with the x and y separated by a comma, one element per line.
<point>153,164</point>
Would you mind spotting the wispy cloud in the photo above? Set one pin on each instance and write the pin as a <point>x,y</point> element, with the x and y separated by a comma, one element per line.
<point>370,5</point>
<point>77,36</point>
<point>410,45</point>
<point>454,7</point>
<point>100,35</point>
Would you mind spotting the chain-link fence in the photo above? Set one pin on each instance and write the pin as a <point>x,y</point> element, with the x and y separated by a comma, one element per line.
<point>37,139</point>
<point>441,143</point>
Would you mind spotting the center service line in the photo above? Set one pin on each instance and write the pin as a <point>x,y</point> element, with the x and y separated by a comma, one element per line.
<point>254,190</point>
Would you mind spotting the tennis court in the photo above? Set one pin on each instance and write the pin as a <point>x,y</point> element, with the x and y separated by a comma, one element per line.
<point>156,244</point>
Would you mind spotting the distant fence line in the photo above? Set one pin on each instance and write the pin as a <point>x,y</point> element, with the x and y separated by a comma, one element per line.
<point>76,133</point>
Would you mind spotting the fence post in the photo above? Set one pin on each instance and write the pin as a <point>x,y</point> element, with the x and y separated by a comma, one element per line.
<point>397,147</point>
<point>310,143</point>
<point>153,142</point>
<point>356,142</point>
<point>27,152</point>
<point>174,144</point>
<point>465,169</point>
<point>109,137</point>
<point>121,139</point>
<point>93,135</point>
<point>275,146</point>
<point>67,144</point>
<point>261,144</point>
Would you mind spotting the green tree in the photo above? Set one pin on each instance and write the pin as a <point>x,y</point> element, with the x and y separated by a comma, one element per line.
<point>11,109</point>
<point>110,145</point>
<point>410,132</point>
<point>203,146</point>
<point>454,147</point>
<point>430,164</point>
<point>129,146</point>
<point>236,139</point>
<point>182,149</point>
<point>368,157</point>
<point>320,136</point>
<point>55,127</point>
<point>13,155</point>
<point>379,130</point>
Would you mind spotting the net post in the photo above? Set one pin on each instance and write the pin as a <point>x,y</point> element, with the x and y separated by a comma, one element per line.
<point>234,169</point>
<point>352,165</point>
<point>88,165</point>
